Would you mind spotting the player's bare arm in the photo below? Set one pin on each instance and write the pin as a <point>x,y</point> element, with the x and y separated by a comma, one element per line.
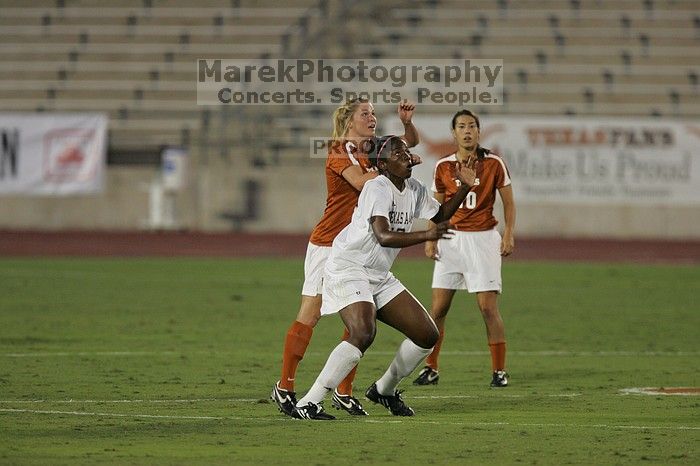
<point>431,247</point>
<point>354,175</point>
<point>508,241</point>
<point>466,174</point>
<point>399,239</point>
<point>406,108</point>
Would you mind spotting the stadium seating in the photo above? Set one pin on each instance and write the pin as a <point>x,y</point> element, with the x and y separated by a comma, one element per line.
<point>136,62</point>
<point>619,58</point>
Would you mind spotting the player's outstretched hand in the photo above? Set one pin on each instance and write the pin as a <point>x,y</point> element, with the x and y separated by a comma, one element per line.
<point>415,160</point>
<point>466,174</point>
<point>406,108</point>
<point>440,230</point>
<point>431,250</point>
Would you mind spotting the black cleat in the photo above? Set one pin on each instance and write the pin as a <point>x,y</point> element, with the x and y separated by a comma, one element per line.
<point>312,411</point>
<point>286,400</point>
<point>427,376</point>
<point>500,379</point>
<point>393,403</point>
<point>348,403</point>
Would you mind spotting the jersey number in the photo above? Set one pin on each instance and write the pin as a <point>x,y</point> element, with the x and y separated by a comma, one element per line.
<point>470,201</point>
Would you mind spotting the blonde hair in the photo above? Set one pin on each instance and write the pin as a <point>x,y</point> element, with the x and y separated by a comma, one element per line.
<point>342,116</point>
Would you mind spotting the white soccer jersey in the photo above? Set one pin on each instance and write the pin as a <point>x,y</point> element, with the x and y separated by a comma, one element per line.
<point>357,246</point>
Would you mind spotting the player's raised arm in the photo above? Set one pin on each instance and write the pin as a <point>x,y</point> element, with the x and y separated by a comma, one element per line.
<point>467,176</point>
<point>406,109</point>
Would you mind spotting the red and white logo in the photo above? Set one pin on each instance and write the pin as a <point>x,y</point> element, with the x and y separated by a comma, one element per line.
<point>65,155</point>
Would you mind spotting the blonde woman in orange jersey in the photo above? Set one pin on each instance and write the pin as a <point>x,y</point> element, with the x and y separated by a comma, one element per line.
<point>347,170</point>
<point>472,260</point>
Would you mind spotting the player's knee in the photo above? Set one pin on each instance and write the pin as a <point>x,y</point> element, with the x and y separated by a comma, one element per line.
<point>439,312</point>
<point>493,319</point>
<point>428,339</point>
<point>362,335</point>
<point>433,337</point>
<point>489,311</point>
<point>309,312</point>
<point>310,320</point>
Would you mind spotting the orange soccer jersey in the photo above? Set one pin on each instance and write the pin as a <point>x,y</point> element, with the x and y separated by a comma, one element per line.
<point>342,196</point>
<point>476,212</point>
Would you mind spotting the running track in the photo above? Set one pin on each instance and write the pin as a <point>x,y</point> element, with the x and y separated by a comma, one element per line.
<point>172,244</point>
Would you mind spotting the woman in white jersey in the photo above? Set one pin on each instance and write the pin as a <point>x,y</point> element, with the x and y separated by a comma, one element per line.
<point>359,286</point>
<point>347,170</point>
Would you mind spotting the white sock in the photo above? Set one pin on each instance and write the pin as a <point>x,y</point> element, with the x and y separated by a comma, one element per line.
<point>406,360</point>
<point>342,359</point>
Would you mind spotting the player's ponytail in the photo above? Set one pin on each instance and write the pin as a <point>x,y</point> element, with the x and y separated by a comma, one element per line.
<point>342,116</point>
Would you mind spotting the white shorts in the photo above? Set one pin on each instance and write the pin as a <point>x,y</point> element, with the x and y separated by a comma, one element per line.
<point>354,285</point>
<point>470,261</point>
<point>314,263</point>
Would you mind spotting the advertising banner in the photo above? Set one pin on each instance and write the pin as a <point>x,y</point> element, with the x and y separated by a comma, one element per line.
<point>575,160</point>
<point>52,154</point>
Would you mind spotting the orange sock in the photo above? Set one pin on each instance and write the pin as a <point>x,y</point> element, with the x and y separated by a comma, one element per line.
<point>432,359</point>
<point>295,344</point>
<point>498,355</point>
<point>345,386</point>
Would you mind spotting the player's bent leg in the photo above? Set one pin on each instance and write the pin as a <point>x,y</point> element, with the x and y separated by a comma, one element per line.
<point>495,333</point>
<point>341,360</point>
<point>310,310</point>
<point>345,387</point>
<point>342,396</point>
<point>488,305</point>
<point>360,319</point>
<point>441,302</point>
<point>295,344</point>
<point>407,315</point>
<point>298,338</point>
<point>440,306</point>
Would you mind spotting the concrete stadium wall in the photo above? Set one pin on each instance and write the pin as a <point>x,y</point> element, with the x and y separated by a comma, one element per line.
<point>122,205</point>
<point>290,199</point>
<point>622,222</point>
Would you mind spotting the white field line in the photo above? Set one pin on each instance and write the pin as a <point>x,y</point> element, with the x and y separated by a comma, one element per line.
<point>194,400</point>
<point>370,352</point>
<point>500,395</point>
<point>83,413</point>
<point>654,391</point>
<point>256,400</point>
<point>377,421</point>
<point>91,353</point>
<point>560,353</point>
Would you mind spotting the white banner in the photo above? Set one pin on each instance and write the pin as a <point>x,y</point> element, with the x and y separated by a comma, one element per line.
<point>52,154</point>
<point>570,160</point>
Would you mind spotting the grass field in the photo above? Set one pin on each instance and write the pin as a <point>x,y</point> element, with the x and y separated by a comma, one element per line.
<point>154,361</point>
